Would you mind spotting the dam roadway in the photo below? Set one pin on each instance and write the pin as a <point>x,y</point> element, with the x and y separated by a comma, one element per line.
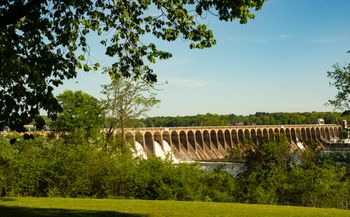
<point>212,143</point>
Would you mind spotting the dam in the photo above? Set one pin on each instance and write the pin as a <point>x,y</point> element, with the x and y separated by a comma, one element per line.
<point>212,143</point>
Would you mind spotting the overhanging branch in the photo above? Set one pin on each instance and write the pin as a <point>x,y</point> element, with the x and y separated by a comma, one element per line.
<point>17,12</point>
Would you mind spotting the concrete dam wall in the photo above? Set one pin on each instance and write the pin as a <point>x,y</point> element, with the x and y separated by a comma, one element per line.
<point>213,143</point>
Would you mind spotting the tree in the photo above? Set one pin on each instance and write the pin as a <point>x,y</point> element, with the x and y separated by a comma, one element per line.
<point>80,112</point>
<point>340,76</point>
<point>265,166</point>
<point>43,42</point>
<point>126,100</point>
<point>40,123</point>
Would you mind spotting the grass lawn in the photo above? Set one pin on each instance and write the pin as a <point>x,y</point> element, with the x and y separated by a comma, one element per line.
<point>67,207</point>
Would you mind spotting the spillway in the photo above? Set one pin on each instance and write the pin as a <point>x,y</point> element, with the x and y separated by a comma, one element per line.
<point>158,151</point>
<point>139,152</point>
<point>168,152</point>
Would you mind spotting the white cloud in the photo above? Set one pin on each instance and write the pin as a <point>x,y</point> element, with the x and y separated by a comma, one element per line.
<point>283,36</point>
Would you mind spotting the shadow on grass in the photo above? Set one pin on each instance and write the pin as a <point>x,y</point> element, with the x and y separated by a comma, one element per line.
<point>6,199</point>
<point>8,211</point>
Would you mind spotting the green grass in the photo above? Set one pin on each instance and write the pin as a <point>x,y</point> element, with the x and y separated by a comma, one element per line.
<point>67,207</point>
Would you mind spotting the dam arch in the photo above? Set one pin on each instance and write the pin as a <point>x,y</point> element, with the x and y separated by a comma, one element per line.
<point>149,142</point>
<point>228,139</point>
<point>199,138</point>
<point>234,137</point>
<point>175,140</point>
<point>253,136</point>
<point>206,139</point>
<point>183,139</point>
<point>191,139</point>
<point>167,138</point>
<point>271,136</point>
<point>214,138</point>
<point>221,138</point>
<point>265,136</point>
<point>157,137</point>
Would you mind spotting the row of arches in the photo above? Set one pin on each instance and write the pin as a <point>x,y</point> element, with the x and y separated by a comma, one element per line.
<point>226,138</point>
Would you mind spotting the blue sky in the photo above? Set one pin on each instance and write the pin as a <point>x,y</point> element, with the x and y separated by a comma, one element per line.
<point>275,63</point>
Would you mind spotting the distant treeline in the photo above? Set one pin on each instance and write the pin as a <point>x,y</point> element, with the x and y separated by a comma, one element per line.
<point>259,118</point>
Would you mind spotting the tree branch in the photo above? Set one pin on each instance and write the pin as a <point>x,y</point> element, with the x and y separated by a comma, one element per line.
<point>17,12</point>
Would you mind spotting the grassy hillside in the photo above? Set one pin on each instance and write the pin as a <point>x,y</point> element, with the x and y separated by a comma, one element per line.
<point>66,207</point>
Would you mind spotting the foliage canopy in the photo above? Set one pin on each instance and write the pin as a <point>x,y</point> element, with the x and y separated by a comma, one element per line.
<point>43,42</point>
<point>80,112</point>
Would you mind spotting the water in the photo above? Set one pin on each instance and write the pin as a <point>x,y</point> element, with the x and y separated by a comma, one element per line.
<point>300,145</point>
<point>164,152</point>
<point>232,168</point>
<point>158,151</point>
<point>168,151</point>
<point>139,152</point>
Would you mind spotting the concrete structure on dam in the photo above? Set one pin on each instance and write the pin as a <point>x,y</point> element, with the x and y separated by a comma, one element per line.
<point>212,143</point>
